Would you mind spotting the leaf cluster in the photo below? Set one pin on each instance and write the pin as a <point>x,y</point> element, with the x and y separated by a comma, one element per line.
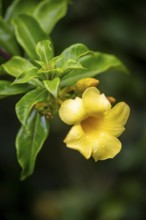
<point>35,71</point>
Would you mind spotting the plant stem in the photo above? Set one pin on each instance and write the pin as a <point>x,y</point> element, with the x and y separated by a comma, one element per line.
<point>4,54</point>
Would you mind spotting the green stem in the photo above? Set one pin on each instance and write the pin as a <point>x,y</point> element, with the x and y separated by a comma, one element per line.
<point>36,82</point>
<point>5,54</point>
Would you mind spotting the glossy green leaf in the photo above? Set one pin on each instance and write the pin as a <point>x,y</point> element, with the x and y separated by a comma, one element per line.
<point>70,65</point>
<point>17,65</point>
<point>74,52</point>
<point>29,143</point>
<point>52,86</point>
<point>49,12</point>
<point>7,38</point>
<point>20,6</point>
<point>28,33</point>
<point>94,64</point>
<point>6,89</point>
<point>45,51</point>
<point>69,59</point>
<point>26,76</point>
<point>71,54</point>
<point>26,103</point>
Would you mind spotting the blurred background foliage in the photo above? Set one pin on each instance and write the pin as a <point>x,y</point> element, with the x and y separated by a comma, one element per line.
<point>64,185</point>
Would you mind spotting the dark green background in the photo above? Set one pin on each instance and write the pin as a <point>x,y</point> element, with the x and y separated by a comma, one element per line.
<point>64,185</point>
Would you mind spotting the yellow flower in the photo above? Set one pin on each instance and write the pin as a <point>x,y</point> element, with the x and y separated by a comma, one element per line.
<point>96,125</point>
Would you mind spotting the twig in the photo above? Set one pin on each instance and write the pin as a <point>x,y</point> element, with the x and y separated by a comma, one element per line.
<point>4,54</point>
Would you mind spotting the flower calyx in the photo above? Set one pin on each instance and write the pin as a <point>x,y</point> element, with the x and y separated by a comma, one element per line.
<point>47,108</point>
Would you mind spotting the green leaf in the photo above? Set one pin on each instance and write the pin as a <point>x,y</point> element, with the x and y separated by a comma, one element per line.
<point>28,33</point>
<point>52,86</point>
<point>7,38</point>
<point>71,54</point>
<point>65,62</point>
<point>69,59</point>
<point>6,89</point>
<point>45,51</point>
<point>49,12</point>
<point>70,65</point>
<point>20,6</point>
<point>16,66</point>
<point>74,52</point>
<point>94,64</point>
<point>29,143</point>
<point>26,76</point>
<point>26,103</point>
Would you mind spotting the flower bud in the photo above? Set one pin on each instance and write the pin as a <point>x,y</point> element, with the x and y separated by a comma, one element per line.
<point>85,83</point>
<point>111,99</point>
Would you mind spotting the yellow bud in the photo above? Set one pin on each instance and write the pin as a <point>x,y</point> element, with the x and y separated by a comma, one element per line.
<point>111,99</point>
<point>85,83</point>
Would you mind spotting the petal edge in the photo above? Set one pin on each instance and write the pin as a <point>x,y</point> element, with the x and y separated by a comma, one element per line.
<point>77,140</point>
<point>108,147</point>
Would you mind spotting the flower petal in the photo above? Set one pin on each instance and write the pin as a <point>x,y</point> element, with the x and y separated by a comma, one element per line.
<point>77,140</point>
<point>107,146</point>
<point>115,119</point>
<point>94,103</point>
<point>72,111</point>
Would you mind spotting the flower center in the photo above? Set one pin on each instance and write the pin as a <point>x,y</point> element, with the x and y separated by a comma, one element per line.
<point>91,125</point>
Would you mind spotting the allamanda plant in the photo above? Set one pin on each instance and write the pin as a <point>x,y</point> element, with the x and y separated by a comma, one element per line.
<point>53,84</point>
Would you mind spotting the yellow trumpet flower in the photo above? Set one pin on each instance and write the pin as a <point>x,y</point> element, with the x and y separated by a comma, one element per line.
<point>96,125</point>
